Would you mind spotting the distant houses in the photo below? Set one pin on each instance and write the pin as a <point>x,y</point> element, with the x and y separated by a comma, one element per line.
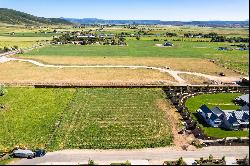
<point>168,44</point>
<point>227,119</point>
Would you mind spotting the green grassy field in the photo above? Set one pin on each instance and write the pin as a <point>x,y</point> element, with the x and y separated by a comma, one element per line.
<point>30,115</point>
<point>29,34</point>
<point>225,102</point>
<point>88,118</point>
<point>237,60</point>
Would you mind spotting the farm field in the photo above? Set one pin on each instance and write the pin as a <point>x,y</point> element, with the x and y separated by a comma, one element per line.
<point>21,72</point>
<point>234,60</point>
<point>114,119</point>
<point>30,115</point>
<point>84,118</point>
<point>224,101</point>
<point>21,42</point>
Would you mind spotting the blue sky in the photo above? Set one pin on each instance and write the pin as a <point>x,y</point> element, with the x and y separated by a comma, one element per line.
<point>168,10</point>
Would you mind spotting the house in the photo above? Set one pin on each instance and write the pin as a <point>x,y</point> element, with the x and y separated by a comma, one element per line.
<point>243,100</point>
<point>168,44</point>
<point>212,117</point>
<point>234,120</point>
<point>223,49</point>
<point>227,119</point>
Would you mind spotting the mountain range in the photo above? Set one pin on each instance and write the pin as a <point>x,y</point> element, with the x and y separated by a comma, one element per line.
<point>159,22</point>
<point>10,16</point>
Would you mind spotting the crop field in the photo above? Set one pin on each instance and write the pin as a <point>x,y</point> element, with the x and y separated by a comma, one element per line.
<point>84,118</point>
<point>21,42</point>
<point>225,102</point>
<point>114,118</point>
<point>30,115</point>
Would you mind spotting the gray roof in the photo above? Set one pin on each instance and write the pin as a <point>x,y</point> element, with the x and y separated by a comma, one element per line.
<point>244,98</point>
<point>210,113</point>
<point>232,116</point>
<point>217,111</point>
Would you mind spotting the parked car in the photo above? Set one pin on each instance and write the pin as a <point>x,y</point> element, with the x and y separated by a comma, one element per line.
<point>40,152</point>
<point>24,154</point>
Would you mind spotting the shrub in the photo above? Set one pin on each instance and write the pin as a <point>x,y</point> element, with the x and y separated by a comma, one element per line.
<point>6,49</point>
<point>3,91</point>
<point>15,47</point>
<point>197,144</point>
<point>180,161</point>
<point>91,162</point>
<point>210,158</point>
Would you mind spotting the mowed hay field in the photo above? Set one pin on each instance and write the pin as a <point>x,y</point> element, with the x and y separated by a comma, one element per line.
<point>235,60</point>
<point>22,72</point>
<point>84,118</point>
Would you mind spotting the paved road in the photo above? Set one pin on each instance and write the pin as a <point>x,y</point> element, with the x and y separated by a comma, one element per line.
<point>153,155</point>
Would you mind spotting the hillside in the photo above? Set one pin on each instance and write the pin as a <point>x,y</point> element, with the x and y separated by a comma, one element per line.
<point>10,16</point>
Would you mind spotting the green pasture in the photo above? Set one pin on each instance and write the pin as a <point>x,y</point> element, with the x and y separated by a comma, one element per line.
<point>237,60</point>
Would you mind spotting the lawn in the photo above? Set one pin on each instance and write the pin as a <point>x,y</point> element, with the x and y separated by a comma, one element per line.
<point>225,102</point>
<point>114,119</point>
<point>30,115</point>
<point>84,118</point>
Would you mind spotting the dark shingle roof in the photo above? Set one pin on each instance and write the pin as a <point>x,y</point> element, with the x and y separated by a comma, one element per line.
<point>244,98</point>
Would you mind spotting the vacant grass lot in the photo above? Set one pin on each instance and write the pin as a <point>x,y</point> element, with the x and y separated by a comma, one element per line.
<point>237,60</point>
<point>195,80</point>
<point>84,118</point>
<point>114,119</point>
<point>20,72</point>
<point>193,65</point>
<point>30,115</point>
<point>225,102</point>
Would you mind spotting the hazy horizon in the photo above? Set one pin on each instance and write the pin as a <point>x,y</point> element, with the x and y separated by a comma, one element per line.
<point>164,10</point>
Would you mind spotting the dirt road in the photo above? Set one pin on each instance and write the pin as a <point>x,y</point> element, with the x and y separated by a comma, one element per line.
<point>175,74</point>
